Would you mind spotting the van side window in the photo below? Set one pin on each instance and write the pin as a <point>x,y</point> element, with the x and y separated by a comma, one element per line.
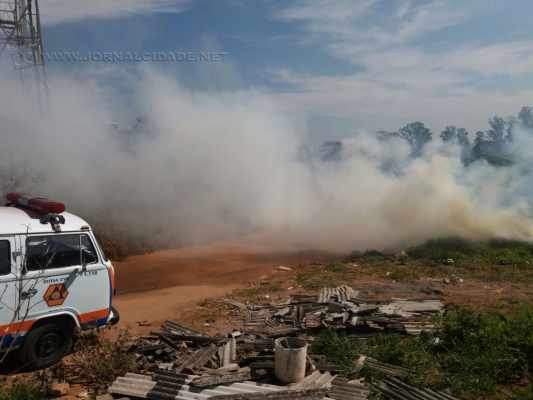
<point>58,251</point>
<point>5,257</point>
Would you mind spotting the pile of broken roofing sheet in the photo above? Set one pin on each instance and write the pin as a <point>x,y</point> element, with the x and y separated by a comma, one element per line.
<point>174,334</point>
<point>316,386</point>
<point>339,294</point>
<point>182,349</point>
<point>384,369</point>
<point>343,389</point>
<point>169,385</point>
<point>186,364</point>
<point>150,349</point>
<point>395,389</point>
<point>340,308</point>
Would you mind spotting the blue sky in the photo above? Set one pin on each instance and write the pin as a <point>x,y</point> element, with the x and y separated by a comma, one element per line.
<point>339,65</point>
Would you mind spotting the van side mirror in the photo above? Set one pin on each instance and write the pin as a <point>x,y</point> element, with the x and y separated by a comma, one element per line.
<point>83,261</point>
<point>23,268</point>
<point>82,258</point>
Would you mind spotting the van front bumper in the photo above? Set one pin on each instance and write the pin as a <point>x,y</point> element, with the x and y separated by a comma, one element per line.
<point>114,317</point>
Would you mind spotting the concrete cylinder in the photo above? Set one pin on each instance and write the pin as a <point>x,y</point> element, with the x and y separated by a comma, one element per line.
<point>290,359</point>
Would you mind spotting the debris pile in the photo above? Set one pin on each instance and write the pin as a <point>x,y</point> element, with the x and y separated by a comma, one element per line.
<point>340,308</point>
<point>182,349</point>
<point>169,385</point>
<point>181,363</point>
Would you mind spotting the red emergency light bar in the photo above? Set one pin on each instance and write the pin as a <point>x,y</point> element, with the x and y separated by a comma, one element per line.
<point>39,205</point>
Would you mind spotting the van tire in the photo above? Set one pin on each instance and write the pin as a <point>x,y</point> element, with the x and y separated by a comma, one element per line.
<point>46,345</point>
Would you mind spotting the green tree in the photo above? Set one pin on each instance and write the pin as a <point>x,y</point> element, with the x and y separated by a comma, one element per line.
<point>449,134</point>
<point>525,116</point>
<point>452,134</point>
<point>417,135</point>
<point>501,129</point>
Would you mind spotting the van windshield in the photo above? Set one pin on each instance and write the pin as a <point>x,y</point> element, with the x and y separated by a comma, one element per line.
<point>59,251</point>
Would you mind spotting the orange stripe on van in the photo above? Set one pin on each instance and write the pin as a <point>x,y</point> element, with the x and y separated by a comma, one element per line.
<point>17,327</point>
<point>92,316</point>
<point>25,326</point>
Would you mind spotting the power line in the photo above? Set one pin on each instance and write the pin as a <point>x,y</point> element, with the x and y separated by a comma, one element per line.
<point>21,37</point>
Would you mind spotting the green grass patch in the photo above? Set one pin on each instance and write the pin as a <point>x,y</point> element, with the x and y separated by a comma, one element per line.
<point>22,391</point>
<point>488,261</point>
<point>339,350</point>
<point>493,260</point>
<point>331,275</point>
<point>477,355</point>
<point>369,256</point>
<point>337,268</point>
<point>259,290</point>
<point>461,251</point>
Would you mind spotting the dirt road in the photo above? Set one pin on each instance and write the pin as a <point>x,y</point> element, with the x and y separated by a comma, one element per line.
<point>165,284</point>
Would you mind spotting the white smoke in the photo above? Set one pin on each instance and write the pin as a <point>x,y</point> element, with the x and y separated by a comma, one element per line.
<point>225,164</point>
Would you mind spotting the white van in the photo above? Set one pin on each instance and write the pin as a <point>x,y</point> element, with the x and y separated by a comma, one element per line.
<point>54,280</point>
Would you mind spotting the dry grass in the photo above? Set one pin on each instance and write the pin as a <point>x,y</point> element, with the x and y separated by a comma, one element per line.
<point>97,361</point>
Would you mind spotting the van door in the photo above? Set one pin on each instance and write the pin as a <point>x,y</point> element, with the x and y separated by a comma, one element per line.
<point>68,277</point>
<point>10,256</point>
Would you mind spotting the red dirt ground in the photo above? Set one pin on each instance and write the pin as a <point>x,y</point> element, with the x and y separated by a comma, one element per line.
<point>171,284</point>
<point>166,284</point>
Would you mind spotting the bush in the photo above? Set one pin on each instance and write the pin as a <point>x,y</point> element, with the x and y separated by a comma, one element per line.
<point>338,349</point>
<point>475,355</point>
<point>495,252</point>
<point>442,249</point>
<point>98,361</point>
<point>481,351</point>
<point>337,267</point>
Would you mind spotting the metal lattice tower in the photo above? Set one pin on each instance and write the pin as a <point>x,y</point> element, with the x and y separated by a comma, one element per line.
<point>21,36</point>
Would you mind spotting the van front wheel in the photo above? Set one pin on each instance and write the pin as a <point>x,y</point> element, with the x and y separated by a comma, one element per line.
<point>45,346</point>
